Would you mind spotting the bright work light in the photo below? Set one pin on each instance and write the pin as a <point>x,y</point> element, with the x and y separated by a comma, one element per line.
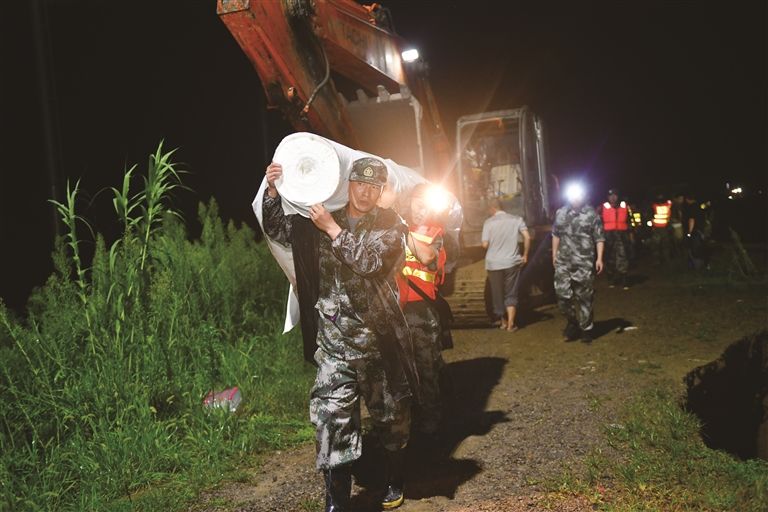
<point>410,55</point>
<point>574,192</point>
<point>437,198</point>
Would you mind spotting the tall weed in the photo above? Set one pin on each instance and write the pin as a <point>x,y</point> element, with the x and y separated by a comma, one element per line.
<point>102,383</point>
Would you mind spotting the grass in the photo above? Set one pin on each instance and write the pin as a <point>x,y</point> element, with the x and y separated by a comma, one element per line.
<point>656,461</point>
<point>102,380</point>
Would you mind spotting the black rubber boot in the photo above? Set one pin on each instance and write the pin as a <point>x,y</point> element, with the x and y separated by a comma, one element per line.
<point>394,468</point>
<point>571,331</point>
<point>338,488</point>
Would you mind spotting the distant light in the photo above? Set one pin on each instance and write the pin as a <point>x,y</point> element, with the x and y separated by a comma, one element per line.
<point>649,223</point>
<point>730,197</point>
<point>574,192</point>
<point>437,198</point>
<point>737,190</point>
<point>410,55</point>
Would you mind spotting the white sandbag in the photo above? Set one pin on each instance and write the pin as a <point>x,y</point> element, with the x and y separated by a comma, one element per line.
<point>311,169</point>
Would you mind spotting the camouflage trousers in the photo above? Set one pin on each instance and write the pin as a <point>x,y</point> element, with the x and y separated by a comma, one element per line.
<point>616,258</point>
<point>677,239</point>
<point>425,334</point>
<point>574,287</point>
<point>334,408</point>
<point>661,245</point>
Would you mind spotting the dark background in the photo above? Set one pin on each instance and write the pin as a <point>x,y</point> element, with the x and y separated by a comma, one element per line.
<point>645,96</point>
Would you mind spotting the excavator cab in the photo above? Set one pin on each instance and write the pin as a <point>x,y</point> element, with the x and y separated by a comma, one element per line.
<point>501,156</point>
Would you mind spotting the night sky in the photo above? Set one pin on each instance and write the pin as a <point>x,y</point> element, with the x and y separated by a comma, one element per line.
<point>643,96</point>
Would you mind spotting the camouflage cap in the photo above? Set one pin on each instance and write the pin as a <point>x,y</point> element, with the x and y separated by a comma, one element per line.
<point>369,170</point>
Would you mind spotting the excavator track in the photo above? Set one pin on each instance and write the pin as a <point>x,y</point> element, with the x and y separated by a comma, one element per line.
<point>466,296</point>
<point>467,292</point>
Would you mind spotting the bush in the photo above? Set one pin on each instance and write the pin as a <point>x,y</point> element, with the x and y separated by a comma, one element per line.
<point>102,383</point>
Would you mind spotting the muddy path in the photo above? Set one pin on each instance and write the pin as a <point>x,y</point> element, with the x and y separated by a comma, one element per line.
<point>527,405</point>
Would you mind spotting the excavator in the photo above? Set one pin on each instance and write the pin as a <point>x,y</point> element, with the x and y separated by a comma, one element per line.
<point>338,69</point>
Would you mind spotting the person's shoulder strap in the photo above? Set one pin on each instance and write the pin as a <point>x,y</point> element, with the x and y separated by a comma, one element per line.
<point>420,292</point>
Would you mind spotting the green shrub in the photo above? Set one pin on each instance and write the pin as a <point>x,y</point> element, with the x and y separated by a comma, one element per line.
<point>102,383</point>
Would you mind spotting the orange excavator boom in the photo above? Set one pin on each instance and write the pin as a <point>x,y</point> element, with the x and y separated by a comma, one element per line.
<point>298,46</point>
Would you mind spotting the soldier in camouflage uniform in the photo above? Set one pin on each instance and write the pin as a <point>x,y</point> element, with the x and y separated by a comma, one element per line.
<point>577,252</point>
<point>363,341</point>
<point>424,262</point>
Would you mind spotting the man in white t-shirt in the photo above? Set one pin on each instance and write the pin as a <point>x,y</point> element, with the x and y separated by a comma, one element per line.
<point>503,261</point>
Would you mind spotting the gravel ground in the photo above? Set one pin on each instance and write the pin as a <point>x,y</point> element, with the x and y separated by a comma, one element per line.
<point>527,405</point>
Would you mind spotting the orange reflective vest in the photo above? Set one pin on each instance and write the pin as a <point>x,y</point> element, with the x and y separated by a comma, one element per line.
<point>661,214</point>
<point>615,219</point>
<point>421,275</point>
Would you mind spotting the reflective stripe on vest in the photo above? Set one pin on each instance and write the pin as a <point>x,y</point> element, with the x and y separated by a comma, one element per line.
<point>421,274</point>
<point>424,237</point>
<point>415,271</point>
<point>661,214</point>
<point>615,219</point>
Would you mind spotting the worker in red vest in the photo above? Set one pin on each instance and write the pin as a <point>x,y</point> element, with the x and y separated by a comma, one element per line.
<point>421,275</point>
<point>615,215</point>
<point>661,238</point>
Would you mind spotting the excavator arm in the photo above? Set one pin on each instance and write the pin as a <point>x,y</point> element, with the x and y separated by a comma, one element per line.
<point>298,46</point>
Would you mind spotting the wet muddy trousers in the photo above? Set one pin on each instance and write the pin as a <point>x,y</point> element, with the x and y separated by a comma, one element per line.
<point>394,469</point>
<point>338,488</point>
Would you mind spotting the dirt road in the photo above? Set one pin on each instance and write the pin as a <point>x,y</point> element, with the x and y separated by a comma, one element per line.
<point>526,404</point>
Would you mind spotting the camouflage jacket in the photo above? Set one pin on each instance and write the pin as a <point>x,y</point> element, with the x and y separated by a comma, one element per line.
<point>578,231</point>
<point>358,287</point>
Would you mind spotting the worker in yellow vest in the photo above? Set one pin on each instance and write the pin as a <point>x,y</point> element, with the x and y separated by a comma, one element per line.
<point>423,272</point>
<point>660,229</point>
<point>615,215</point>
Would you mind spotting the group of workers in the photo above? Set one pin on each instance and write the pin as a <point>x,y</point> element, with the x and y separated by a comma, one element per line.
<point>680,230</point>
<point>379,332</point>
<point>586,241</point>
<point>579,237</point>
<point>578,241</point>
<point>677,230</point>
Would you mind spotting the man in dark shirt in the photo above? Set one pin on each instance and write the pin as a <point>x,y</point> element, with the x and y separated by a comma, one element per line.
<point>695,233</point>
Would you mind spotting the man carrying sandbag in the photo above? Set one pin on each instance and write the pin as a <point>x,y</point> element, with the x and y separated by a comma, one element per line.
<point>364,348</point>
